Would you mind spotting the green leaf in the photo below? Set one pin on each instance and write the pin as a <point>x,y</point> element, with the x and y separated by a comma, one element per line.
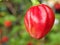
<point>55,37</point>
<point>26,36</point>
<point>14,30</point>
<point>16,1</point>
<point>1,20</point>
<point>10,17</point>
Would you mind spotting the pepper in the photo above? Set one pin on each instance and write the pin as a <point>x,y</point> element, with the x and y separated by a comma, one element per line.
<point>4,39</point>
<point>39,20</point>
<point>7,23</point>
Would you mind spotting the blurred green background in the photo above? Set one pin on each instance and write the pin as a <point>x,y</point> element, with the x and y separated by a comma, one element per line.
<point>14,11</point>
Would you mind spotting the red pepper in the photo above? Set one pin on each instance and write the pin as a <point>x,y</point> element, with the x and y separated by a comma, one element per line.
<point>29,43</point>
<point>57,6</point>
<point>5,39</point>
<point>39,20</point>
<point>7,23</point>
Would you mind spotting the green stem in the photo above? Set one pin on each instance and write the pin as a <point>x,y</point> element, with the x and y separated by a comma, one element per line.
<point>35,2</point>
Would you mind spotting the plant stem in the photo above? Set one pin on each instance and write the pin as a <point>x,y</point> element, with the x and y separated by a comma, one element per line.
<point>35,2</point>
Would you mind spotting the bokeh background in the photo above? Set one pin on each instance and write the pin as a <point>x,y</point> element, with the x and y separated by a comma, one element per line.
<point>13,11</point>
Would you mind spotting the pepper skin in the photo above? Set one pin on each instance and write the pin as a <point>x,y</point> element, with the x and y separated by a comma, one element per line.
<point>7,23</point>
<point>5,39</point>
<point>39,20</point>
<point>29,43</point>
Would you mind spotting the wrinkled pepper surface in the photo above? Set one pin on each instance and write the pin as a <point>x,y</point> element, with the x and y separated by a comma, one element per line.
<point>39,20</point>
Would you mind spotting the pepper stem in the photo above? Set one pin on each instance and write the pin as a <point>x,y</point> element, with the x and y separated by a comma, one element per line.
<point>35,2</point>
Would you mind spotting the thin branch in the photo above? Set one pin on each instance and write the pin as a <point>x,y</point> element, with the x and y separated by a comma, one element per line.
<point>10,7</point>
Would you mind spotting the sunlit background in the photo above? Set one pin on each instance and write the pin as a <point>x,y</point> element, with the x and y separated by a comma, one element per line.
<point>12,12</point>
